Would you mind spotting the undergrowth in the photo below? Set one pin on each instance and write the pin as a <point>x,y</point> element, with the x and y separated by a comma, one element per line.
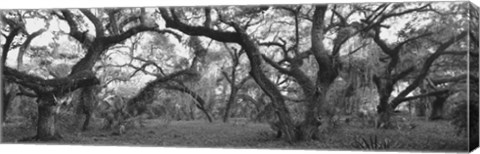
<point>428,136</point>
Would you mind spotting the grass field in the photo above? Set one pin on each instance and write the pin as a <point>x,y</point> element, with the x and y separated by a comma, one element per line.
<point>427,136</point>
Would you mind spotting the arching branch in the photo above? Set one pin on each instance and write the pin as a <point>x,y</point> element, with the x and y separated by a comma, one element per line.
<point>7,45</point>
<point>74,32</point>
<point>424,8</point>
<point>57,86</point>
<point>99,29</point>
<point>435,93</point>
<point>25,46</point>
<point>173,22</point>
<point>198,99</point>
<point>426,67</point>
<point>138,29</point>
<point>403,74</point>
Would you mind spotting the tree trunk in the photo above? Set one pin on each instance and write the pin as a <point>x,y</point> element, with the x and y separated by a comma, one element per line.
<point>46,119</point>
<point>286,123</point>
<point>383,119</point>
<point>6,98</point>
<point>437,107</point>
<point>420,108</point>
<point>308,129</point>
<point>384,109</point>
<point>315,98</point>
<point>384,112</point>
<point>315,93</point>
<point>87,101</point>
<point>231,100</point>
<point>191,112</point>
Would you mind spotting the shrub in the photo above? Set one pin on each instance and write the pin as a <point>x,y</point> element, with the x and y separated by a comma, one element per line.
<point>373,143</point>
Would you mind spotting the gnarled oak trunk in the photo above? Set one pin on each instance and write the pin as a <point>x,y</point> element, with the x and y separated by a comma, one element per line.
<point>46,119</point>
<point>384,110</point>
<point>87,101</point>
<point>286,123</point>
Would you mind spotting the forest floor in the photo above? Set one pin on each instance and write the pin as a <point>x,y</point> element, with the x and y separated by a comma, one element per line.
<point>427,136</point>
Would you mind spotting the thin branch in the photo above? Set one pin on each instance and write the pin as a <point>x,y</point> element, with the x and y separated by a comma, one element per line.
<point>420,9</point>
<point>225,74</point>
<point>106,83</point>
<point>438,92</point>
<point>297,33</point>
<point>338,46</point>
<point>357,49</point>
<point>243,81</point>
<point>142,68</point>
<point>281,46</point>
<point>455,53</point>
<point>343,21</point>
<point>400,45</point>
<point>150,63</point>
<point>449,79</point>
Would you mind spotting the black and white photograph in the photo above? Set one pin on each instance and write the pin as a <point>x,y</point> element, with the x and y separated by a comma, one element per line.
<point>360,76</point>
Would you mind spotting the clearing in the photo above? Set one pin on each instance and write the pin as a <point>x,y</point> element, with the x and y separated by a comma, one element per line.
<point>427,136</point>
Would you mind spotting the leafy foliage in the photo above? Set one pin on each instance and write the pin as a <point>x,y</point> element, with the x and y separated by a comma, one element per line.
<point>374,143</point>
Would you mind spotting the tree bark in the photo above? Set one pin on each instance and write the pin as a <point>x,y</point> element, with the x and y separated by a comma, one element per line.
<point>308,129</point>
<point>420,108</point>
<point>287,126</point>
<point>6,98</point>
<point>231,100</point>
<point>315,98</point>
<point>5,103</point>
<point>87,101</point>
<point>384,110</point>
<point>437,107</point>
<point>46,119</point>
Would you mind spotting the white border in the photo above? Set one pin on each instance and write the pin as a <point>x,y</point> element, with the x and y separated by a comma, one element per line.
<point>37,4</point>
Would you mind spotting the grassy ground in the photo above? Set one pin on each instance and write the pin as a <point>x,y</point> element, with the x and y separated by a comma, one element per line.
<point>427,136</point>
